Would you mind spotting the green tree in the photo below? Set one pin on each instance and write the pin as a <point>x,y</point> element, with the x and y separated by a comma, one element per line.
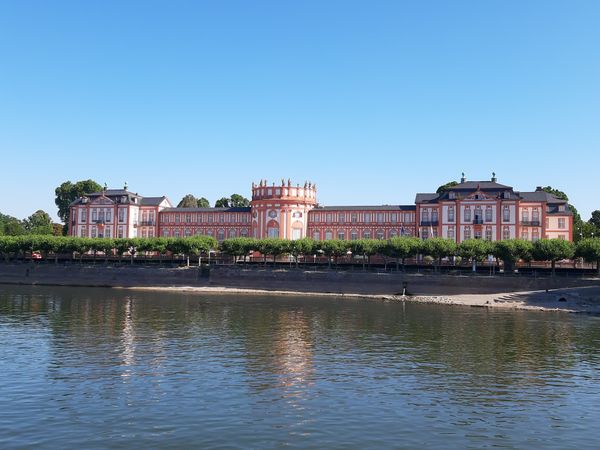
<point>68,192</point>
<point>10,226</point>
<point>237,247</point>
<point>188,201</point>
<point>304,247</point>
<point>39,223</point>
<point>475,250</point>
<point>57,229</point>
<point>333,248</point>
<point>439,248</point>
<point>223,202</point>
<point>9,246</point>
<point>553,250</point>
<point>445,187</point>
<point>237,201</point>
<point>366,248</point>
<point>595,219</point>
<point>402,248</point>
<point>589,249</point>
<point>203,203</point>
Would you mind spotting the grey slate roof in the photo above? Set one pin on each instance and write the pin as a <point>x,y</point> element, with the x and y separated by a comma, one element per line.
<point>425,198</point>
<point>540,196</point>
<point>367,208</point>
<point>482,185</point>
<point>152,201</point>
<point>241,209</point>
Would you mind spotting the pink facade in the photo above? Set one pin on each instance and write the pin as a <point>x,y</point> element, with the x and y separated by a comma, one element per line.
<point>469,210</point>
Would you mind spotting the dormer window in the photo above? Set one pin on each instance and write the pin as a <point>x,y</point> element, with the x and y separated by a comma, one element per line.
<point>452,195</point>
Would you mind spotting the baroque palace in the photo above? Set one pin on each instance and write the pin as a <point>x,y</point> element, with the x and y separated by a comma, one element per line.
<point>469,210</point>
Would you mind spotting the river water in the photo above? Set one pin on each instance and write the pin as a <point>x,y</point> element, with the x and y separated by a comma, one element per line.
<point>107,368</point>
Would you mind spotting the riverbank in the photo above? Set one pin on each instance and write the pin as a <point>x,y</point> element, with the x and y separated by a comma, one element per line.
<point>570,300</point>
<point>507,292</point>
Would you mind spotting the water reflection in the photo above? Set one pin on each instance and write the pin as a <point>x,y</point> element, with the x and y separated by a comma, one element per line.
<point>182,369</point>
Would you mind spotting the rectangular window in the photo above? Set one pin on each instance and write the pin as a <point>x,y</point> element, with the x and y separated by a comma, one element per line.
<point>451,214</point>
<point>450,232</point>
<point>367,217</point>
<point>354,235</point>
<point>329,217</point>
<point>328,235</point>
<point>488,214</point>
<point>535,216</point>
<point>176,218</point>
<point>525,215</point>
<point>488,233</point>
<point>434,215</point>
<point>561,223</point>
<point>82,232</point>
<point>506,233</point>
<point>467,215</point>
<point>188,218</point>
<point>506,214</point>
<point>341,217</point>
<point>380,217</point>
<point>394,217</point>
<point>467,232</point>
<point>120,232</point>
<point>94,215</point>
<point>341,235</point>
<point>353,218</point>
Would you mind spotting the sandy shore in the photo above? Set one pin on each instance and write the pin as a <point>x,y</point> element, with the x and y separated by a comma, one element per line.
<point>571,300</point>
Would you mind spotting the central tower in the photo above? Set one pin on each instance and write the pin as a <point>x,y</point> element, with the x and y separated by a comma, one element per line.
<point>281,211</point>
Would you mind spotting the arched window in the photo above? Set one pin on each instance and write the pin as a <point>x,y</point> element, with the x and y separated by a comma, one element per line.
<point>328,235</point>
<point>354,235</point>
<point>380,234</point>
<point>316,235</point>
<point>220,234</point>
<point>366,234</point>
<point>231,233</point>
<point>506,233</point>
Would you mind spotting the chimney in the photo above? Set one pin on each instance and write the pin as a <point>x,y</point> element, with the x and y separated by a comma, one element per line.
<point>463,179</point>
<point>538,189</point>
<point>494,179</point>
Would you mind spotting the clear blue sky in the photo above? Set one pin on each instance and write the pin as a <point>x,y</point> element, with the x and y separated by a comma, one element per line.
<point>373,100</point>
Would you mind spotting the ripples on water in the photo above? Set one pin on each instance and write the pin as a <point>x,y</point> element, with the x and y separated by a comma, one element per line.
<point>100,368</point>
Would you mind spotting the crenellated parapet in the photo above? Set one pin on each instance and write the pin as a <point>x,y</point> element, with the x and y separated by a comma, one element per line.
<point>306,193</point>
<point>281,210</point>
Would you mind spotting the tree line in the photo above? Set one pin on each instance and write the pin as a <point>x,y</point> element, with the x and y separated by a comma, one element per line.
<point>39,222</point>
<point>395,250</point>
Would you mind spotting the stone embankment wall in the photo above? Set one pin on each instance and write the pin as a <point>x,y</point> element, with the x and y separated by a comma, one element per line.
<point>289,280</point>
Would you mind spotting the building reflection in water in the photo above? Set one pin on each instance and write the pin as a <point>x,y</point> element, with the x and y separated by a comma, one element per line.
<point>280,356</point>
<point>128,339</point>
